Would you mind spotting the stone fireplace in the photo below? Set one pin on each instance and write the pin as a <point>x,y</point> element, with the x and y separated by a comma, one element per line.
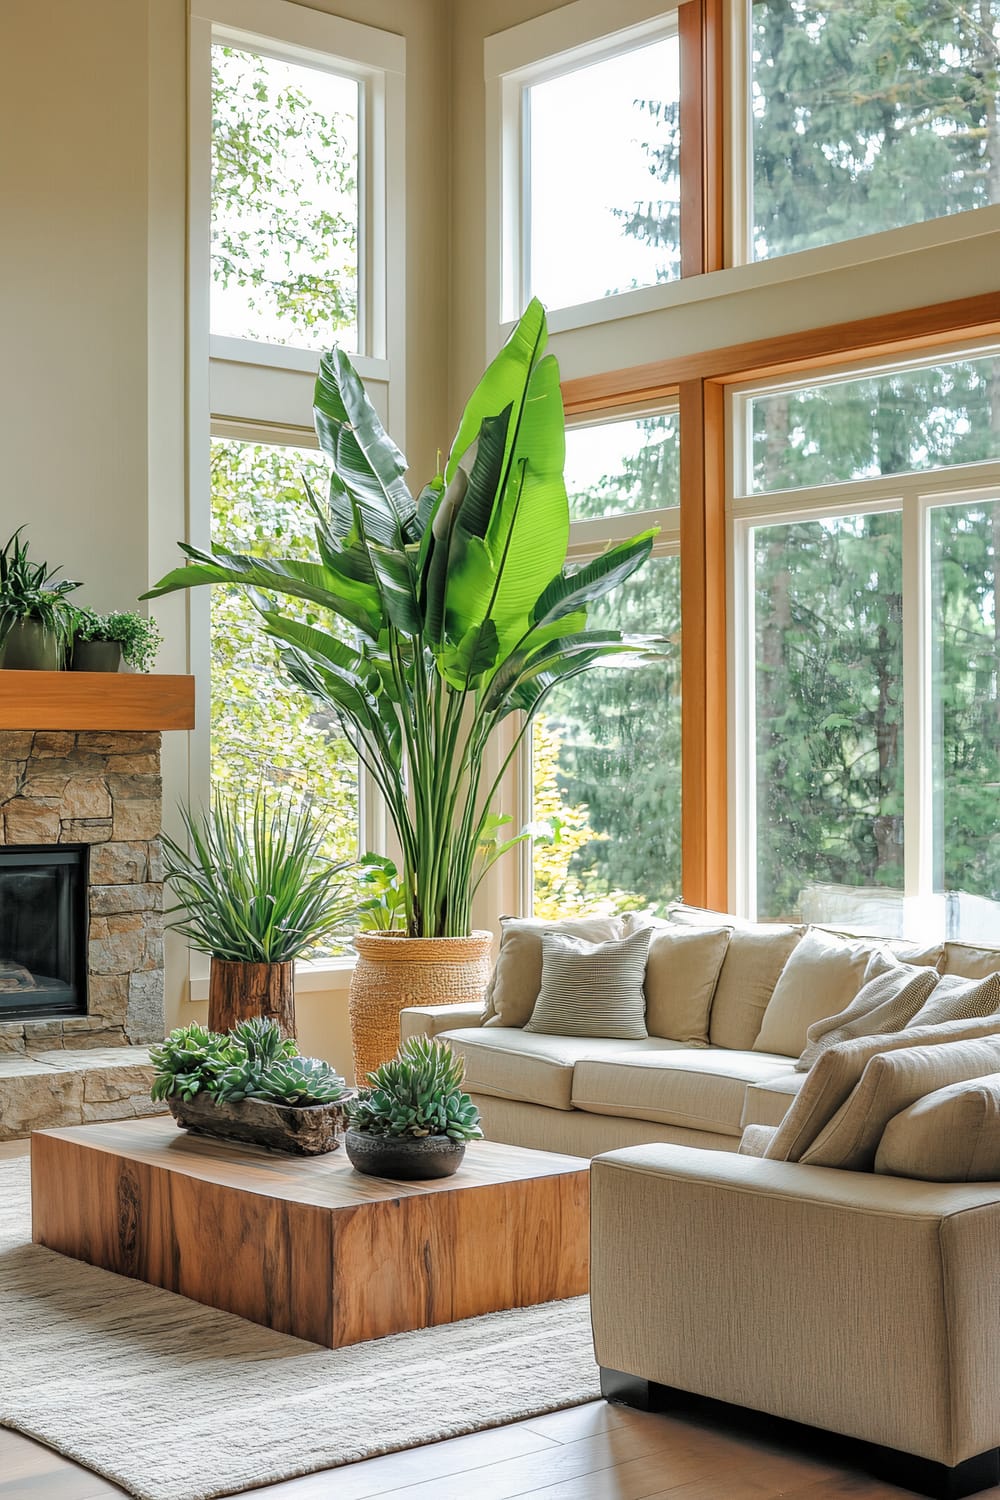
<point>81,892</point>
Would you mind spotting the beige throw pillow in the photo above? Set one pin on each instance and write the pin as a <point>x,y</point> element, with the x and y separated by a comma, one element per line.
<point>956,999</point>
<point>952,1135</point>
<point>517,977</point>
<point>821,978</point>
<point>890,997</point>
<point>682,968</point>
<point>755,957</point>
<point>835,1073</point>
<point>592,989</point>
<point>891,1082</point>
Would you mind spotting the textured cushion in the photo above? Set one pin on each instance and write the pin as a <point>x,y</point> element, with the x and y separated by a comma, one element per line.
<point>517,977</point>
<point>821,978</point>
<point>835,1073</point>
<point>891,996</point>
<point>755,1140</point>
<point>702,1090</point>
<point>682,968</point>
<point>891,1082</point>
<point>512,1063</point>
<point>757,953</point>
<point>768,1103</point>
<point>952,1135</point>
<point>970,962</point>
<point>592,989</point>
<point>956,999</point>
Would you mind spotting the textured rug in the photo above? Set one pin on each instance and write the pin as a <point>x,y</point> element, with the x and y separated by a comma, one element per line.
<point>175,1401</point>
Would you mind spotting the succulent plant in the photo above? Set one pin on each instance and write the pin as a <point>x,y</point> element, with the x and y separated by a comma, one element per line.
<point>417,1094</point>
<point>253,1061</point>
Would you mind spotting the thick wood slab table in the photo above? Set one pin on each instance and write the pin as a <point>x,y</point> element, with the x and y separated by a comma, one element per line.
<point>308,1246</point>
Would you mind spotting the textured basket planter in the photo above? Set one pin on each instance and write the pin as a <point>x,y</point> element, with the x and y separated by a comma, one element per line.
<point>238,991</point>
<point>393,972</point>
<point>408,1158</point>
<point>311,1130</point>
<point>96,656</point>
<point>29,647</point>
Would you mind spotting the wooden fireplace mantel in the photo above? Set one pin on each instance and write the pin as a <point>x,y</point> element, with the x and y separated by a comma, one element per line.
<point>95,700</point>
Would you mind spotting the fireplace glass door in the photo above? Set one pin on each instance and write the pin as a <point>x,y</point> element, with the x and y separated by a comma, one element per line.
<point>43,931</point>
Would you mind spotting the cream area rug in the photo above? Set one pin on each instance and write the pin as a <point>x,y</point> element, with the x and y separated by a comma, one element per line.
<point>175,1401</point>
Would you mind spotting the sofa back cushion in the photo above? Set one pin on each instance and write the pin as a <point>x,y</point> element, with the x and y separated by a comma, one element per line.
<point>952,1135</point>
<point>956,999</point>
<point>891,1082</point>
<point>835,1073</point>
<point>517,976</point>
<point>970,962</point>
<point>756,955</point>
<point>592,989</point>
<point>889,999</point>
<point>821,978</point>
<point>682,970</point>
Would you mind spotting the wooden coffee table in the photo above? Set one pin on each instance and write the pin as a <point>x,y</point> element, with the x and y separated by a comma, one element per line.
<point>307,1245</point>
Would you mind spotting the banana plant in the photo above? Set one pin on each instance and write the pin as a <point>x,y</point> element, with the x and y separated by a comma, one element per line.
<point>436,617</point>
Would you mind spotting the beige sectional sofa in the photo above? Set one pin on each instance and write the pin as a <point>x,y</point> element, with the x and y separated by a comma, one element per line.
<point>584,1095</point>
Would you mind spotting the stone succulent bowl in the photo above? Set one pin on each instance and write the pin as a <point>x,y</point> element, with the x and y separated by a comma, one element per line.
<point>309,1130</point>
<point>406,1158</point>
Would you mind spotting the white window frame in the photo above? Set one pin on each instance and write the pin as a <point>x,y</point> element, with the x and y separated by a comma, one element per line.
<point>547,47</point>
<point>915,495</point>
<point>588,539</point>
<point>262,392</point>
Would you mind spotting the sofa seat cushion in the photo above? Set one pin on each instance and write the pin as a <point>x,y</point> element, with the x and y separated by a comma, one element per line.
<point>511,1063</point>
<point>702,1089</point>
<point>767,1103</point>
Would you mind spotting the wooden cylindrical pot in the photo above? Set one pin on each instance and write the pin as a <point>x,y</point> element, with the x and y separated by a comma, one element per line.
<point>393,972</point>
<point>237,991</point>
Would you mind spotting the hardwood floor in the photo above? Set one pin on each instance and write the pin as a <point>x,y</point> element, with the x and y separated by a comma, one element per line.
<point>593,1452</point>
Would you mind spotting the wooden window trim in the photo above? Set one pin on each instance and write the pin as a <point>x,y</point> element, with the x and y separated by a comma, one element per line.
<point>699,28</point>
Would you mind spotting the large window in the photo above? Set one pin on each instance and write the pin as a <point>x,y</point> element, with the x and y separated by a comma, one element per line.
<point>867,116</point>
<point>606,748</point>
<point>869,744</point>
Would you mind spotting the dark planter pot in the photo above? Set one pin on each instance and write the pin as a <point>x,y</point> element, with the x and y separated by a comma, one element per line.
<point>311,1130</point>
<point>29,647</point>
<point>405,1158</point>
<point>97,656</point>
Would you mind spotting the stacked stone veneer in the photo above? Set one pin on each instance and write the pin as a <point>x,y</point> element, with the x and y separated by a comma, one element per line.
<point>101,789</point>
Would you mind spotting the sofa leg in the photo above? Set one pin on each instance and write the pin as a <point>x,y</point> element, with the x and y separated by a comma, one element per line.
<point>632,1390</point>
<point>938,1480</point>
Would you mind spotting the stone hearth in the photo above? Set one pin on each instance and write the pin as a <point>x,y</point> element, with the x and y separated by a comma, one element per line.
<point>100,788</point>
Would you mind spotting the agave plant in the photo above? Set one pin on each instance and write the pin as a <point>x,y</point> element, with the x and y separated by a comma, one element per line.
<point>253,882</point>
<point>459,605</point>
<point>253,1061</point>
<point>418,1093</point>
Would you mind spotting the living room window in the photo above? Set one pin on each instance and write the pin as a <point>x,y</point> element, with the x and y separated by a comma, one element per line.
<point>605,782</point>
<point>865,117</point>
<point>867,742</point>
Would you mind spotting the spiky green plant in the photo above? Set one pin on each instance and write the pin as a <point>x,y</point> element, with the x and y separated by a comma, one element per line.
<point>417,1094</point>
<point>254,883</point>
<point>435,618</point>
<point>253,1061</point>
<point>29,591</point>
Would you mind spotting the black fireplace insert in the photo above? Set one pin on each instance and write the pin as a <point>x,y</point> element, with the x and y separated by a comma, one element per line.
<point>43,931</point>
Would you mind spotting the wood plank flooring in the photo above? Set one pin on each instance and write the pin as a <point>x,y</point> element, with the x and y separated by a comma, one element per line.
<point>593,1452</point>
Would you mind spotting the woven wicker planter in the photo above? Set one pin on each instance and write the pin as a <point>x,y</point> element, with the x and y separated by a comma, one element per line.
<point>393,972</point>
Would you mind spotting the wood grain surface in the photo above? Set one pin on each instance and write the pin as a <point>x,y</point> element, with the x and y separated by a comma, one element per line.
<point>311,1247</point>
<point>95,700</point>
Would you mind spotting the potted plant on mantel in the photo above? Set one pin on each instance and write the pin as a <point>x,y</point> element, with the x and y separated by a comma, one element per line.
<point>459,612</point>
<point>102,642</point>
<point>36,619</point>
<point>257,893</point>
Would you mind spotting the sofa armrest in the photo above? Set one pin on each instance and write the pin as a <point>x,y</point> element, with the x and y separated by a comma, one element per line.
<point>428,1020</point>
<point>792,1289</point>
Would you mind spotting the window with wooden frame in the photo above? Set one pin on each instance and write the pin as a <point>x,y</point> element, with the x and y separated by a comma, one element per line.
<point>297,148</point>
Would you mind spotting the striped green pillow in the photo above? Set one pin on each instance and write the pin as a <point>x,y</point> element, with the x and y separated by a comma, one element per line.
<point>592,989</point>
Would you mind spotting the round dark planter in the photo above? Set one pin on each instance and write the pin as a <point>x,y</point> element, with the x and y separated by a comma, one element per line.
<point>406,1158</point>
<point>97,656</point>
<point>29,647</point>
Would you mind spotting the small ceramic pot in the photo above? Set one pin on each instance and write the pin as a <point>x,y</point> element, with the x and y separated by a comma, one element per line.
<point>97,656</point>
<point>406,1158</point>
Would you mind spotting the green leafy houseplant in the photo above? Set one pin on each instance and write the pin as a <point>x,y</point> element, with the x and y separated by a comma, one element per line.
<point>458,605</point>
<point>417,1094</point>
<point>139,638</point>
<point>32,599</point>
<point>253,882</point>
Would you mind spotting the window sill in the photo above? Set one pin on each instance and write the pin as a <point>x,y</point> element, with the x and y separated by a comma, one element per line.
<point>320,976</point>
